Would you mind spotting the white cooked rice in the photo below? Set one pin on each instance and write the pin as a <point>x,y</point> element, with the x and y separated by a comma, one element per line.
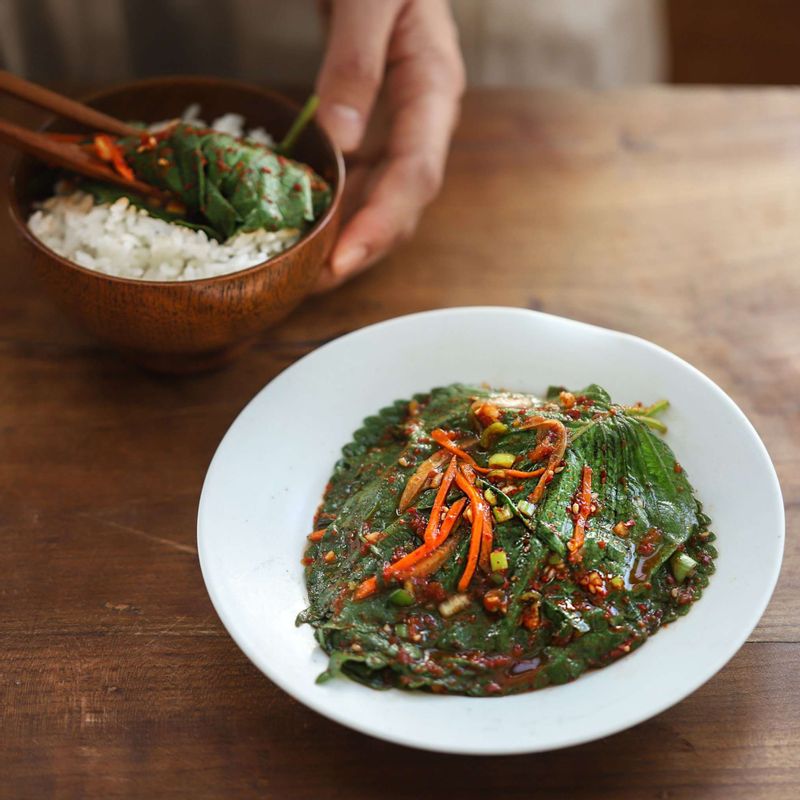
<point>123,240</point>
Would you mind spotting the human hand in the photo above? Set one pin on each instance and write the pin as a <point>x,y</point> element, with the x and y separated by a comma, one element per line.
<point>407,52</point>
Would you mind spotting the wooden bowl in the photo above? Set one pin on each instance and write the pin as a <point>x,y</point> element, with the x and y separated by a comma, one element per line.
<point>186,326</point>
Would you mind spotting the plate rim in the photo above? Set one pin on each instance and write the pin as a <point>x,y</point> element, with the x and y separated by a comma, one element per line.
<point>467,747</point>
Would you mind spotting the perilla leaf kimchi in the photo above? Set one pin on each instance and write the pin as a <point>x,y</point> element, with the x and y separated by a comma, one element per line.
<point>484,542</point>
<point>219,184</point>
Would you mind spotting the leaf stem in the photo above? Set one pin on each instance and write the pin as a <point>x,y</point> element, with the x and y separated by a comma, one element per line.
<point>301,120</point>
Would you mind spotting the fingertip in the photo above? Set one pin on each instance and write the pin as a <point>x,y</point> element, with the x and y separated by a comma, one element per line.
<point>349,257</point>
<point>345,124</point>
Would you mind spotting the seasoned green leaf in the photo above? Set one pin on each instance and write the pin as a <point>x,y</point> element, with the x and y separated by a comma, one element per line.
<point>560,604</point>
<point>227,184</point>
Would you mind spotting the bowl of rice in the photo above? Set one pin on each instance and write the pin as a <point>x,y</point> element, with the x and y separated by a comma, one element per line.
<point>172,298</point>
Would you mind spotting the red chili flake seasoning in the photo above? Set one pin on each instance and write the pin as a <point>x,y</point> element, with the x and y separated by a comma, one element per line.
<point>398,553</point>
<point>266,170</point>
<point>296,187</point>
<point>623,649</point>
<point>430,591</point>
<point>678,468</point>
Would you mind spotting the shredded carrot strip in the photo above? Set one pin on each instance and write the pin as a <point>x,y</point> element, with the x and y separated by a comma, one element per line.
<point>476,504</point>
<point>102,147</point>
<point>441,438</point>
<point>575,544</point>
<point>482,533</point>
<point>450,520</point>
<point>557,454</point>
<point>516,473</point>
<point>317,535</point>
<point>540,451</point>
<point>430,563</point>
<point>108,150</point>
<point>366,588</point>
<point>121,166</point>
<point>444,488</point>
<point>400,568</point>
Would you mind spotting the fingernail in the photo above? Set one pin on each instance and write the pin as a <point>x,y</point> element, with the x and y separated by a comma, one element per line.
<point>346,124</point>
<point>349,259</point>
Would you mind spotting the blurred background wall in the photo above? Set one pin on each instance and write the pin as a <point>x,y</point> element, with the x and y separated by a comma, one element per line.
<point>591,43</point>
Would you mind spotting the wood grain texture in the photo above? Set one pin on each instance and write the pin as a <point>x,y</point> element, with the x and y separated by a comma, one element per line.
<point>674,215</point>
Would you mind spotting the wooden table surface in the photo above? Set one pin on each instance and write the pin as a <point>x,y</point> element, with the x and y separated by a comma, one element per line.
<point>671,214</point>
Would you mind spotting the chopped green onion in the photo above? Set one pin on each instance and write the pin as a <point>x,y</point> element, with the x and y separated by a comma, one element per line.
<point>526,507</point>
<point>502,460</point>
<point>491,497</point>
<point>546,535</point>
<point>655,424</point>
<point>502,514</point>
<point>401,630</point>
<point>497,579</point>
<point>491,434</point>
<point>682,566</point>
<point>617,582</point>
<point>553,559</point>
<point>498,560</point>
<point>657,408</point>
<point>400,597</point>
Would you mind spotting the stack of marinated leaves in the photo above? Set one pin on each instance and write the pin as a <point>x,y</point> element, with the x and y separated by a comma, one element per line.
<point>225,185</point>
<point>614,546</point>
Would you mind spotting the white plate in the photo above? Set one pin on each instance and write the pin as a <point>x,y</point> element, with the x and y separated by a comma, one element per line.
<point>269,472</point>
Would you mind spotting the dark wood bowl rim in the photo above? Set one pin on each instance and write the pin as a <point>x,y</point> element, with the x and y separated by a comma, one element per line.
<point>220,83</point>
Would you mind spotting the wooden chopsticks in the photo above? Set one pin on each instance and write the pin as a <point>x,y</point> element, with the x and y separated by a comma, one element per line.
<point>63,106</point>
<point>59,151</point>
